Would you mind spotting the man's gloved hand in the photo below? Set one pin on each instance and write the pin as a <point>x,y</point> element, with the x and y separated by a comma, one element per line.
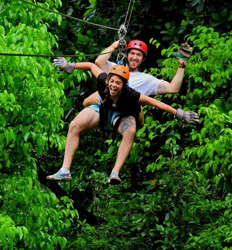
<point>62,63</point>
<point>184,52</point>
<point>187,116</point>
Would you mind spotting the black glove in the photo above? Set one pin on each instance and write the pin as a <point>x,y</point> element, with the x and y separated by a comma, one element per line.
<point>187,116</point>
<point>62,63</point>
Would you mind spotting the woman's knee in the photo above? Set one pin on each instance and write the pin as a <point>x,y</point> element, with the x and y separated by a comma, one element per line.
<point>75,127</point>
<point>132,130</point>
<point>85,120</point>
<point>78,124</point>
<point>128,127</point>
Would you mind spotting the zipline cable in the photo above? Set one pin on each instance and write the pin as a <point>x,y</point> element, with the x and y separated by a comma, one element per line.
<point>120,32</point>
<point>131,9</point>
<point>36,55</point>
<point>61,14</point>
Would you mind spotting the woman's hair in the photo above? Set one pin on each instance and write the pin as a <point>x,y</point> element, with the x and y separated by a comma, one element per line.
<point>110,75</point>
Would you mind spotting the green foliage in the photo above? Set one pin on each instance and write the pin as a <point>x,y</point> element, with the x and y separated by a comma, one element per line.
<point>31,111</point>
<point>211,92</point>
<point>34,115</point>
<point>46,220</point>
<point>176,184</point>
<point>177,210</point>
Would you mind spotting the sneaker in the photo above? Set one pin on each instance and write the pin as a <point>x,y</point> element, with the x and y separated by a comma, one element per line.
<point>114,179</point>
<point>59,176</point>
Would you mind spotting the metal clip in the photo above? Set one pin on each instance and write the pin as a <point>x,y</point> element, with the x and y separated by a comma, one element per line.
<point>122,32</point>
<point>120,58</point>
<point>122,47</point>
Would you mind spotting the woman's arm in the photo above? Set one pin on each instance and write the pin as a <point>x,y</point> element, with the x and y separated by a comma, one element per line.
<point>146,100</point>
<point>95,70</point>
<point>62,63</point>
<point>184,116</point>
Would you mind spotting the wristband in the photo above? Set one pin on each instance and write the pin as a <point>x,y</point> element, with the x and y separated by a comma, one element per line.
<point>75,67</point>
<point>181,65</point>
<point>113,46</point>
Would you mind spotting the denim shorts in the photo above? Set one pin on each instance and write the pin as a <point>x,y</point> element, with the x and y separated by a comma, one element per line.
<point>110,118</point>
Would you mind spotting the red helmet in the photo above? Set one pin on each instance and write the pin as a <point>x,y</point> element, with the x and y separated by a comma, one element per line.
<point>120,70</point>
<point>137,44</point>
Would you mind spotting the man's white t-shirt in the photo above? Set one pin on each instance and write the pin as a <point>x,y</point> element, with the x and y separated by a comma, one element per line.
<point>143,83</point>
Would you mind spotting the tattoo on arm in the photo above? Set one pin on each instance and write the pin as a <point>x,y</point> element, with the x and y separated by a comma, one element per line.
<point>162,86</point>
<point>126,123</point>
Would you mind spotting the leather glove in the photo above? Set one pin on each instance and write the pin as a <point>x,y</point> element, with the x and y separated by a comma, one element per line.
<point>187,116</point>
<point>184,52</point>
<point>62,63</point>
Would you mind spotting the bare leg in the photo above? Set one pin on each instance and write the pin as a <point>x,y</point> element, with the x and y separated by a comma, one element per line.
<point>92,99</point>
<point>127,129</point>
<point>85,120</point>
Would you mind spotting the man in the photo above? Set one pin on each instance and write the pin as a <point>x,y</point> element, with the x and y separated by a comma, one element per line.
<point>140,81</point>
<point>119,107</point>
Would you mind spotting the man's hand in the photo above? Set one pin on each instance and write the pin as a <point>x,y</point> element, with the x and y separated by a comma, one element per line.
<point>116,44</point>
<point>187,116</point>
<point>184,53</point>
<point>185,50</point>
<point>62,63</point>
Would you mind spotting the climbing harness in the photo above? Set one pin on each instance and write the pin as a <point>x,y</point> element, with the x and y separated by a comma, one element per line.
<point>121,60</point>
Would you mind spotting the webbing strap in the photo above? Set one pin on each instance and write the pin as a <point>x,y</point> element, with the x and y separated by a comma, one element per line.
<point>116,125</point>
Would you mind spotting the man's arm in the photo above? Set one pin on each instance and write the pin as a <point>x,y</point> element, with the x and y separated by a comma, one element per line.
<point>183,54</point>
<point>173,87</point>
<point>102,60</point>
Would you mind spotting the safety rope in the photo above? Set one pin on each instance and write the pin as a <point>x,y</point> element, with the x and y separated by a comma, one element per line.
<point>74,18</point>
